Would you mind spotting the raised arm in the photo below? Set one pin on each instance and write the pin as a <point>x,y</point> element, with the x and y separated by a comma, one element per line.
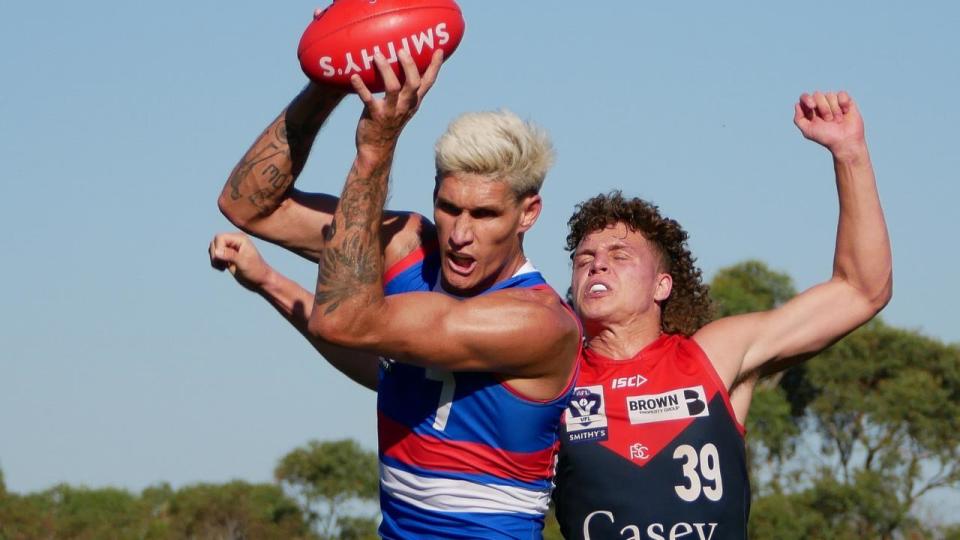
<point>259,197</point>
<point>487,333</point>
<point>746,346</point>
<point>235,252</point>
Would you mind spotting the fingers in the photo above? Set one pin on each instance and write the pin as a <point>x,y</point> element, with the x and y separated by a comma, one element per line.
<point>829,106</point>
<point>835,111</point>
<point>391,84</point>
<point>807,105</point>
<point>411,83</point>
<point>430,75</point>
<point>845,101</point>
<point>799,116</point>
<point>224,249</point>
<point>410,72</point>
<point>823,106</point>
<point>366,96</point>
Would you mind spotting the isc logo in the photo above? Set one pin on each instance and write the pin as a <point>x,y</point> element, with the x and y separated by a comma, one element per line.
<point>626,382</point>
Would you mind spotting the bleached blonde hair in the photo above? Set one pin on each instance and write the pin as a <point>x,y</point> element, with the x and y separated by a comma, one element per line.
<point>497,145</point>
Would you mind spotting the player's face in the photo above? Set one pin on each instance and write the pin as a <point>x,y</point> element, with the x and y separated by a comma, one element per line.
<point>480,225</point>
<point>616,278</point>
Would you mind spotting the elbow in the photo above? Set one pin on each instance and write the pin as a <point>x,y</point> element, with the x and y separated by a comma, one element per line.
<point>229,208</point>
<point>337,328</point>
<point>883,295</point>
<point>877,295</point>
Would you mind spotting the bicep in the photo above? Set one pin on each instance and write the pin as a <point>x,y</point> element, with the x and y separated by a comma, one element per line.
<point>808,323</point>
<point>299,225</point>
<point>512,336</point>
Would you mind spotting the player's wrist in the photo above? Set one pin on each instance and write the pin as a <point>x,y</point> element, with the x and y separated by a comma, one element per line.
<point>851,153</point>
<point>265,282</point>
<point>322,93</point>
<point>373,152</point>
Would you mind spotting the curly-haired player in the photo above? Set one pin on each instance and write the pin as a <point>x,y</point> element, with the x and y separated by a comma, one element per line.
<point>652,442</point>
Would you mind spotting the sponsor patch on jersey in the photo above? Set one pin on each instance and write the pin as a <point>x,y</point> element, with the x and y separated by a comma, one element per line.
<point>586,415</point>
<point>628,382</point>
<point>673,405</point>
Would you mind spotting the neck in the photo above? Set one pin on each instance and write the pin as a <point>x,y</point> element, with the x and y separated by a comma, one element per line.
<point>621,341</point>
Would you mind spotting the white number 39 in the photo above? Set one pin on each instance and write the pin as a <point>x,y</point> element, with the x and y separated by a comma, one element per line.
<point>709,462</point>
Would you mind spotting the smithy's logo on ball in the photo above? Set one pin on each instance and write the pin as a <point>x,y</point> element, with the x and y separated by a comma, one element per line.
<point>429,39</point>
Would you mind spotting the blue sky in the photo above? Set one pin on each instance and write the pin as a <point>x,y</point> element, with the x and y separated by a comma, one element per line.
<point>127,361</point>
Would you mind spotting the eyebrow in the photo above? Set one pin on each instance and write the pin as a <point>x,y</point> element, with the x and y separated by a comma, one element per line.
<point>481,208</point>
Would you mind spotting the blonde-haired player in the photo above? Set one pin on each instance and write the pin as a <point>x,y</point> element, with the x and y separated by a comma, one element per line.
<point>481,353</point>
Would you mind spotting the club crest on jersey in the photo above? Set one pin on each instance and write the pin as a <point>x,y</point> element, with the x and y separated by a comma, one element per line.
<point>586,416</point>
<point>673,405</point>
<point>639,451</point>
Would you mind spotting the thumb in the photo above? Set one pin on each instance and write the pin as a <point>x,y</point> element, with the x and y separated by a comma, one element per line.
<point>799,117</point>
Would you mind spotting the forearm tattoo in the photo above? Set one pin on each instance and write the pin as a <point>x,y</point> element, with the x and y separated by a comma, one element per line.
<point>270,167</point>
<point>352,264</point>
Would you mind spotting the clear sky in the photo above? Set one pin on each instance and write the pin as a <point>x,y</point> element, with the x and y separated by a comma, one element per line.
<point>126,360</point>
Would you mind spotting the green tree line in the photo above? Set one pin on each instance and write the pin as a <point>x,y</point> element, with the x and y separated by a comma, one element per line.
<point>319,494</point>
<point>843,445</point>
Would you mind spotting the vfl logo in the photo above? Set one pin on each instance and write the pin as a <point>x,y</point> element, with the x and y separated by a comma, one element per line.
<point>428,39</point>
<point>674,405</point>
<point>639,451</point>
<point>586,417</point>
<point>584,405</point>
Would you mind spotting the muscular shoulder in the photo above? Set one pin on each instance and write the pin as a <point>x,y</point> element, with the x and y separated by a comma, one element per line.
<point>725,342</point>
<point>541,309</point>
<point>542,329</point>
<point>403,233</point>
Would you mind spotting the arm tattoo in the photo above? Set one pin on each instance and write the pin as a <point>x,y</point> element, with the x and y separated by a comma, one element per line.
<point>352,264</point>
<point>274,162</point>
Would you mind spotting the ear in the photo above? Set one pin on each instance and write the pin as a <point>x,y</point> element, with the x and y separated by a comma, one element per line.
<point>530,208</point>
<point>664,287</point>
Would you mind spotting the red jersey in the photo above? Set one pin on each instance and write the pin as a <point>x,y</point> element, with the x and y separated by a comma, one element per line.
<point>651,449</point>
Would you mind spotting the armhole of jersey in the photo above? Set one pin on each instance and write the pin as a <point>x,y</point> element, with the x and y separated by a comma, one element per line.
<point>715,377</point>
<point>574,373</point>
<point>398,267</point>
<point>417,255</point>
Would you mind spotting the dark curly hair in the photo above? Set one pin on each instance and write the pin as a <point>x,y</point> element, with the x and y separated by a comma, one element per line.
<point>688,307</point>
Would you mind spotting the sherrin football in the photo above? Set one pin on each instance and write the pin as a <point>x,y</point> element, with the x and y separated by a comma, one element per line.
<point>343,39</point>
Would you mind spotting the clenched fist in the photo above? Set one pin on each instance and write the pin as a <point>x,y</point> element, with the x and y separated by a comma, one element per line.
<point>832,120</point>
<point>235,252</point>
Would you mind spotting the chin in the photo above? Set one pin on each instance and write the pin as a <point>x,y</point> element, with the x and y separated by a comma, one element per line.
<point>466,285</point>
<point>457,283</point>
<point>591,312</point>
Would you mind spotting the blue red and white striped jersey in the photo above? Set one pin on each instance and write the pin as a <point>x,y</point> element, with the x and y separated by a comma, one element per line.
<point>462,455</point>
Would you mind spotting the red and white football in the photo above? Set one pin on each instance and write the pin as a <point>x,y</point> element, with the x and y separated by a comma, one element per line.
<point>343,39</point>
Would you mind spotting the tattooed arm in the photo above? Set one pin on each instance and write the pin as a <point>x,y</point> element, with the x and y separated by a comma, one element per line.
<point>259,197</point>
<point>487,333</point>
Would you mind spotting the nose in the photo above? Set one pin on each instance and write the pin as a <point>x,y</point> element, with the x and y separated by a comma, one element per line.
<point>462,233</point>
<point>599,264</point>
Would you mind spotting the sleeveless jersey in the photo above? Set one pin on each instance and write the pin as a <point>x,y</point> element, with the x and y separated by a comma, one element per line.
<point>651,449</point>
<point>462,455</point>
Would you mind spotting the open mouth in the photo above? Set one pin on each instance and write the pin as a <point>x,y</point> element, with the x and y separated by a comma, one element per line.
<point>596,290</point>
<point>461,264</point>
